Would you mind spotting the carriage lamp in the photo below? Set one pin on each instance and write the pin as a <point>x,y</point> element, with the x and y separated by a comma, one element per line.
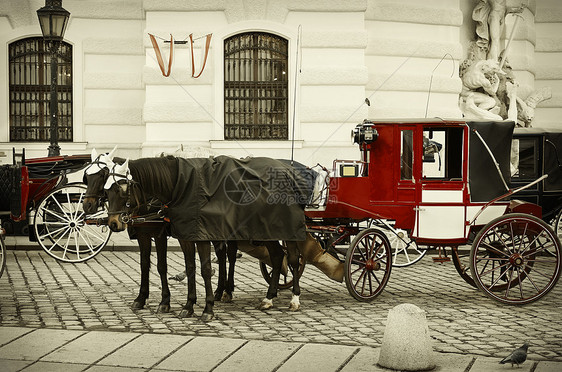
<point>53,19</point>
<point>364,133</point>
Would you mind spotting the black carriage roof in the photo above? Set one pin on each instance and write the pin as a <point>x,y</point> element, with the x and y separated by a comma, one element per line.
<point>536,131</point>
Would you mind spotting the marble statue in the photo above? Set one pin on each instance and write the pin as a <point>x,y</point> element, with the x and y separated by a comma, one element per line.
<point>489,90</point>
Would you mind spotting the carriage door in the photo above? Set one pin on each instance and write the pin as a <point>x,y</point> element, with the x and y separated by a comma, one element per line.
<point>441,212</point>
<point>406,188</point>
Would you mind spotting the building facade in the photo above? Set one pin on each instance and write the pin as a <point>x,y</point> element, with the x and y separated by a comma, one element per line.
<point>281,78</point>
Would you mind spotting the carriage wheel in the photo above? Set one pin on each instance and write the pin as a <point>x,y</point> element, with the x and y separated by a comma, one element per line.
<point>367,264</point>
<point>461,260</point>
<point>516,259</point>
<point>405,251</point>
<point>285,281</point>
<point>2,251</point>
<point>61,228</point>
<point>557,225</point>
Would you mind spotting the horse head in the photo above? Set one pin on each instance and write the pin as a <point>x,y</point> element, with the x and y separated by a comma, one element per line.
<point>95,176</point>
<point>118,189</point>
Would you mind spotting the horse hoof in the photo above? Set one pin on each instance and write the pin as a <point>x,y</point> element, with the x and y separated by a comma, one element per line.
<point>295,303</point>
<point>266,304</point>
<point>137,305</point>
<point>294,307</point>
<point>226,297</point>
<point>186,313</point>
<point>206,317</point>
<point>218,296</point>
<point>164,308</point>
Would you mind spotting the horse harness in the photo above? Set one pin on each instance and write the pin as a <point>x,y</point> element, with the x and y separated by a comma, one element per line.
<point>126,216</point>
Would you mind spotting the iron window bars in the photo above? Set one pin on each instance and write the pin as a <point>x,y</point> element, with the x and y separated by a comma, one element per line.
<point>255,87</point>
<point>29,90</point>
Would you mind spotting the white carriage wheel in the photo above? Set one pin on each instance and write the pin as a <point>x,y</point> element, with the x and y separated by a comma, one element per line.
<point>61,227</point>
<point>405,251</point>
<point>2,252</point>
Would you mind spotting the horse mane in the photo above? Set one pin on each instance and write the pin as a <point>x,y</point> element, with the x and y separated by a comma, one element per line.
<point>156,176</point>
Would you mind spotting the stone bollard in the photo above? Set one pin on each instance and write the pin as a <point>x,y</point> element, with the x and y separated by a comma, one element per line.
<point>406,344</point>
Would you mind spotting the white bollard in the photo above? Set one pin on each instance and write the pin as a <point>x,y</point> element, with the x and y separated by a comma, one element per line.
<point>406,344</point>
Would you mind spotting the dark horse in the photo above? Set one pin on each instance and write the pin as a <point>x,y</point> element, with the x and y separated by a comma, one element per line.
<point>95,177</point>
<point>134,182</point>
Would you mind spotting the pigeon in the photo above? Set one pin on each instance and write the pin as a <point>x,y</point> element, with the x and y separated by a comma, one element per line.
<point>517,356</point>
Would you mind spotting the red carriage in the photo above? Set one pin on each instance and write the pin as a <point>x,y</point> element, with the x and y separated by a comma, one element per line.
<point>38,191</point>
<point>445,183</point>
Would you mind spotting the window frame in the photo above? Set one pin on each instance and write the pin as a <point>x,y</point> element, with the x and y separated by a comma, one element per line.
<point>245,121</point>
<point>29,85</point>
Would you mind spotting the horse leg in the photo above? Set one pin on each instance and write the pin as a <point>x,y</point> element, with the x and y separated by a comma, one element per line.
<point>161,243</point>
<point>220,251</point>
<point>293,260</point>
<point>188,249</point>
<point>276,255</point>
<point>143,239</point>
<point>204,250</point>
<point>231,251</point>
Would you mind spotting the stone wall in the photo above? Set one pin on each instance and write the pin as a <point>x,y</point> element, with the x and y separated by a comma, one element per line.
<point>389,51</point>
<point>548,59</point>
<point>409,41</point>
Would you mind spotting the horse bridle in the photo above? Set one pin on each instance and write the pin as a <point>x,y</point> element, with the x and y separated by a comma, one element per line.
<point>126,216</point>
<point>102,165</point>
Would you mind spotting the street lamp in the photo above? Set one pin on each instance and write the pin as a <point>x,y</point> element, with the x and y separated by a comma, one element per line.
<point>53,19</point>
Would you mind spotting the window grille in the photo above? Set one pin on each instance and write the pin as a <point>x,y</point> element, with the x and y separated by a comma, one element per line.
<point>255,87</point>
<point>30,90</point>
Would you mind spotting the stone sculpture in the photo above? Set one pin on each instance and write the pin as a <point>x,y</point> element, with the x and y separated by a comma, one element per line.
<point>489,89</point>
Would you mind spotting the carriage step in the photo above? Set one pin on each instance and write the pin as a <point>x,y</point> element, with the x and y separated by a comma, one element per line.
<point>442,256</point>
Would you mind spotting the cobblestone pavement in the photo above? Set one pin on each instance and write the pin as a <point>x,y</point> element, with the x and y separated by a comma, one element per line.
<point>37,291</point>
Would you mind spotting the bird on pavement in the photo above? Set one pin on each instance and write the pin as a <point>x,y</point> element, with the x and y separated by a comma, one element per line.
<point>517,356</point>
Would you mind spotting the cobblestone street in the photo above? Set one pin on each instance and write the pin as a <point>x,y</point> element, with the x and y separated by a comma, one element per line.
<point>37,291</point>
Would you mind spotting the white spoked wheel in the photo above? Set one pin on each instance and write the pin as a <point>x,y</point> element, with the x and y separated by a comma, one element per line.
<point>405,251</point>
<point>62,229</point>
<point>2,251</point>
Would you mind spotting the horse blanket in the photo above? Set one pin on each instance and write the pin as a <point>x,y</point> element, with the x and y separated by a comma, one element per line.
<point>223,198</point>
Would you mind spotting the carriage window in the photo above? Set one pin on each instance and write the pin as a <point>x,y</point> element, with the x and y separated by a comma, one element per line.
<point>442,153</point>
<point>406,155</point>
<point>29,87</point>
<point>524,155</point>
<point>255,87</point>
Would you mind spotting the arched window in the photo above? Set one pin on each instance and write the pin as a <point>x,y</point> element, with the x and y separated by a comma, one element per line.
<point>255,87</point>
<point>30,90</point>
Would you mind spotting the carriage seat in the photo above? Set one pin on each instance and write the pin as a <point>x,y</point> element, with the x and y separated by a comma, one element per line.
<point>320,191</point>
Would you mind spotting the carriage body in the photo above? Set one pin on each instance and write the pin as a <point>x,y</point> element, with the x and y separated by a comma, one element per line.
<point>434,178</point>
<point>29,181</point>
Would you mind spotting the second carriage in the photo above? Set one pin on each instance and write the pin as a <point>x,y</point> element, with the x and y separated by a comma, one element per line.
<point>38,199</point>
